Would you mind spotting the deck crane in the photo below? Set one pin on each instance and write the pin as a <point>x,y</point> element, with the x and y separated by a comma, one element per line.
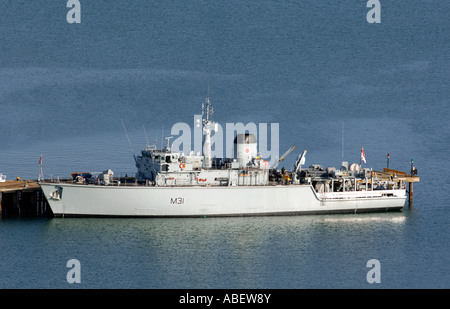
<point>281,159</point>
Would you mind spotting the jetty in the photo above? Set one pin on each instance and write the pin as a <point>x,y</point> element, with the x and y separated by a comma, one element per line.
<point>394,175</point>
<point>23,198</point>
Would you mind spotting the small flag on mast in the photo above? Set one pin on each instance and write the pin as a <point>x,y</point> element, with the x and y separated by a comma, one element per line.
<point>41,175</point>
<point>363,156</point>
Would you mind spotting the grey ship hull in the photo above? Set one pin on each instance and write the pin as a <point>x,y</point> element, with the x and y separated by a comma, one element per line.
<point>76,200</point>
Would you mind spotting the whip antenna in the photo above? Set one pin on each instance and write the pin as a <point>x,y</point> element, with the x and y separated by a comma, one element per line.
<point>342,141</point>
<point>146,137</point>
<point>131,147</point>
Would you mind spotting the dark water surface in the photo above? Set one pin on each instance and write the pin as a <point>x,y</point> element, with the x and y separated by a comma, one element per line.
<point>314,67</point>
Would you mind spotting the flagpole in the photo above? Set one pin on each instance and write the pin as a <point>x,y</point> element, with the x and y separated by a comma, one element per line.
<point>360,158</point>
<point>40,169</point>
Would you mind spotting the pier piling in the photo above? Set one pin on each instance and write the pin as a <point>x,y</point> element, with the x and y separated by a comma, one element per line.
<point>410,193</point>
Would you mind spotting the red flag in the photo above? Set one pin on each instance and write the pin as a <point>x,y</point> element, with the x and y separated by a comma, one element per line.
<point>40,160</point>
<point>363,156</point>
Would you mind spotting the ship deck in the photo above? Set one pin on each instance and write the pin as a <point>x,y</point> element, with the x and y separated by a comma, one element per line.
<point>385,175</point>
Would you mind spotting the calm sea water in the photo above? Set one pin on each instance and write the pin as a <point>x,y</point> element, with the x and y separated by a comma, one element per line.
<point>314,67</point>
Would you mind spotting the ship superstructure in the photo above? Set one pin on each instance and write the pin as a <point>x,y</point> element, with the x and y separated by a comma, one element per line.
<point>163,167</point>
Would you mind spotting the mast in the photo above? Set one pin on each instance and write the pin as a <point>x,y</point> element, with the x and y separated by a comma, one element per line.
<point>208,127</point>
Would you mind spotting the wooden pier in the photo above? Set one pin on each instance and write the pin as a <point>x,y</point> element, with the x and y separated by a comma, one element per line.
<point>387,174</point>
<point>390,174</point>
<point>23,198</point>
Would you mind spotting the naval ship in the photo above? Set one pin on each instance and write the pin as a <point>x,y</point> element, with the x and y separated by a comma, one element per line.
<point>172,184</point>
